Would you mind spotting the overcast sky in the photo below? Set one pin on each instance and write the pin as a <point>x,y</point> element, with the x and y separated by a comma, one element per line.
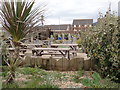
<point>64,11</point>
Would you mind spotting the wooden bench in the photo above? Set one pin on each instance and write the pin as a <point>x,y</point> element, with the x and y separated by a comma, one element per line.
<point>65,52</point>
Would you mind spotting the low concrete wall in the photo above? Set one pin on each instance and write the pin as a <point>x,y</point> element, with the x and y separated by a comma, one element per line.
<point>62,64</point>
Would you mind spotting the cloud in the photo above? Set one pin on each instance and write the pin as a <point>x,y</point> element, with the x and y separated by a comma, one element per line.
<point>64,11</point>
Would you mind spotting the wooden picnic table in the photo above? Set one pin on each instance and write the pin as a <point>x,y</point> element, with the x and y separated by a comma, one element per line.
<point>31,45</point>
<point>63,51</point>
<point>12,49</point>
<point>72,46</point>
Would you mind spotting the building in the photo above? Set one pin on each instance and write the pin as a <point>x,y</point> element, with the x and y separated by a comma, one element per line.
<point>62,28</point>
<point>43,32</point>
<point>81,24</point>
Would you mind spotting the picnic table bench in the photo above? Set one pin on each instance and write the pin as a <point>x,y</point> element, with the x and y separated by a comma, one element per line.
<point>24,45</point>
<point>53,51</point>
<point>72,46</point>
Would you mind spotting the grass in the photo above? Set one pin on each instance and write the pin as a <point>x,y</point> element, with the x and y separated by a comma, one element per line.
<point>15,85</point>
<point>78,75</point>
<point>28,77</point>
<point>28,70</point>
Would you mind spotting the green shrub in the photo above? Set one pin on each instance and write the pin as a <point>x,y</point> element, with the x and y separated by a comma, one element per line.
<point>102,43</point>
<point>78,41</point>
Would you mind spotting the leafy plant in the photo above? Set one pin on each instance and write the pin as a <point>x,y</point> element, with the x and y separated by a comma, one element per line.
<point>94,83</point>
<point>102,43</point>
<point>98,82</point>
<point>18,18</point>
<point>78,41</point>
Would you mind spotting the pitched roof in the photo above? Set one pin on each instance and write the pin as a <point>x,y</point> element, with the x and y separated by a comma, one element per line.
<point>82,21</point>
<point>59,27</point>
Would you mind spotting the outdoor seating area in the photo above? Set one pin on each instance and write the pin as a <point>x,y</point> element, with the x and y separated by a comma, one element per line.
<point>55,50</point>
<point>52,56</point>
<point>51,47</point>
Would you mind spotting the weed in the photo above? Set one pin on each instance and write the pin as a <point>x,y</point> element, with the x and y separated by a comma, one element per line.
<point>80,73</point>
<point>28,70</point>
<point>49,86</point>
<point>12,85</point>
<point>98,82</point>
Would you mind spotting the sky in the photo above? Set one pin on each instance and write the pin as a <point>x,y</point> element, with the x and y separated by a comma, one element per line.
<point>64,11</point>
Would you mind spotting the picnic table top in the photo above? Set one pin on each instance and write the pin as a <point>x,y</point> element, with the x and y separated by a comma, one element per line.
<point>54,49</point>
<point>32,44</point>
<point>13,49</point>
<point>64,44</point>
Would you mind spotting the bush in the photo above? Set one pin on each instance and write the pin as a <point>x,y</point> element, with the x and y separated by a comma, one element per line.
<point>102,44</point>
<point>78,41</point>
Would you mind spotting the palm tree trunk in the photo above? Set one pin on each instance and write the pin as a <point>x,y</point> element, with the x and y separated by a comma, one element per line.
<point>13,63</point>
<point>11,77</point>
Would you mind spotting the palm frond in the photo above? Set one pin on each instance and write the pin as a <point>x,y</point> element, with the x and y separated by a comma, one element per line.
<point>19,18</point>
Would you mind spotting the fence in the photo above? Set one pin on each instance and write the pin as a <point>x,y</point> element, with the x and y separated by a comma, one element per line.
<point>61,64</point>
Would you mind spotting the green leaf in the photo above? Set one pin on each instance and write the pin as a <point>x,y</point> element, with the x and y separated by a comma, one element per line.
<point>96,76</point>
<point>87,82</point>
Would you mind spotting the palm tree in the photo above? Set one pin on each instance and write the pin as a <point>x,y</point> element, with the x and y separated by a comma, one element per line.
<point>18,18</point>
